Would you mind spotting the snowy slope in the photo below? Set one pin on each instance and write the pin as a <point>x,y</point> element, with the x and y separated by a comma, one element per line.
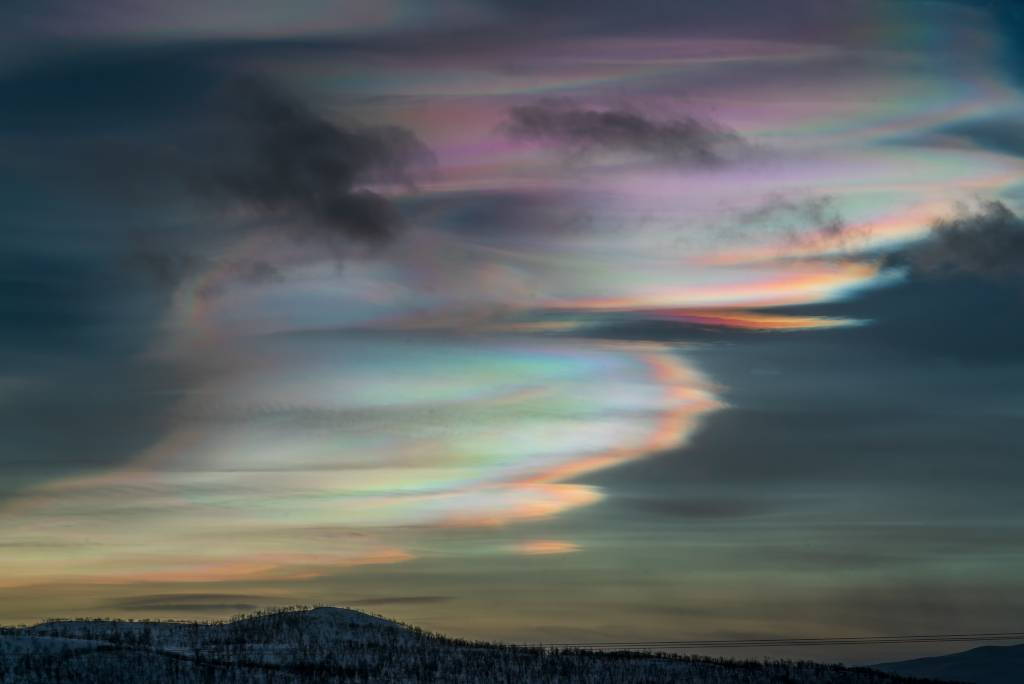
<point>31,644</point>
<point>335,646</point>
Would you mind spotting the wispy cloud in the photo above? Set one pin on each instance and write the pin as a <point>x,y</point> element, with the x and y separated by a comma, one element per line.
<point>189,603</point>
<point>685,141</point>
<point>391,600</point>
<point>305,413</point>
<point>543,546</point>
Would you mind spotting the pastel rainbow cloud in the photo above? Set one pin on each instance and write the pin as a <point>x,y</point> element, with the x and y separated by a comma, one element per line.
<point>438,385</point>
<point>750,320</point>
<point>309,459</point>
<point>543,546</point>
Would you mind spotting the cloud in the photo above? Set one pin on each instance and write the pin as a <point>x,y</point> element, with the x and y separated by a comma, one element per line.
<point>782,225</point>
<point>813,223</point>
<point>818,212</point>
<point>686,141</point>
<point>400,599</point>
<point>262,272</point>
<point>192,607</point>
<point>269,151</point>
<point>988,241</point>
<point>187,602</point>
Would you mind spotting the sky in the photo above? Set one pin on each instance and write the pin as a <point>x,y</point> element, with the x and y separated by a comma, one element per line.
<point>550,321</point>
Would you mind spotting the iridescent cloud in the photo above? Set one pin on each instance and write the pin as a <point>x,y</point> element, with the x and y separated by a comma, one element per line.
<point>436,384</point>
<point>306,454</point>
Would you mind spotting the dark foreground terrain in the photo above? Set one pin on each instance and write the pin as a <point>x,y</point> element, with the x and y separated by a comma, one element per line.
<point>333,645</point>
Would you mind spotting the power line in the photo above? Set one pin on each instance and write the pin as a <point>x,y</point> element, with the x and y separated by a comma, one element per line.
<point>826,641</point>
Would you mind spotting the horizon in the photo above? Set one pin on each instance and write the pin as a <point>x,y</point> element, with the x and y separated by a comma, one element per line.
<point>520,321</point>
<point>656,649</point>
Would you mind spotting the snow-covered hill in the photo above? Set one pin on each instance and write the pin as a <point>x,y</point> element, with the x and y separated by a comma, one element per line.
<point>336,645</point>
<point>274,636</point>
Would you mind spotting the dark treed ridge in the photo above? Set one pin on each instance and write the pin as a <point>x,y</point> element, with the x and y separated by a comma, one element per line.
<point>333,646</point>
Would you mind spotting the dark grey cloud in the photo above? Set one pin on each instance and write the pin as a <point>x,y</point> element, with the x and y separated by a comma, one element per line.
<point>687,140</point>
<point>267,149</point>
<point>217,603</point>
<point>191,607</point>
<point>818,211</point>
<point>988,242</point>
<point>389,600</point>
<point>813,222</point>
<point>261,272</point>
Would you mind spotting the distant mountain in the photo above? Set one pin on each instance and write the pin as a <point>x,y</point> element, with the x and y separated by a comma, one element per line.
<point>984,665</point>
<point>342,646</point>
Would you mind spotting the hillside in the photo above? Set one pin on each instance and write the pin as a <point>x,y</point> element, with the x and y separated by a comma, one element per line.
<point>983,665</point>
<point>334,646</point>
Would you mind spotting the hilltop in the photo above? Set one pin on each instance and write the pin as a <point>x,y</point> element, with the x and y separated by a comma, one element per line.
<point>339,645</point>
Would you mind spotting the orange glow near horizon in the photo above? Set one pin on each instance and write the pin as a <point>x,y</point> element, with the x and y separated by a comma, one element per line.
<point>540,547</point>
